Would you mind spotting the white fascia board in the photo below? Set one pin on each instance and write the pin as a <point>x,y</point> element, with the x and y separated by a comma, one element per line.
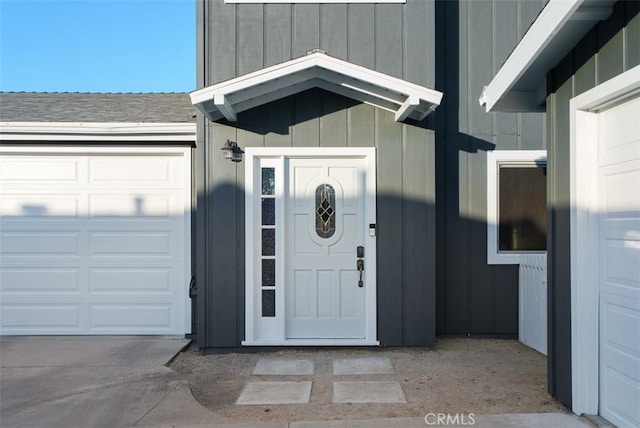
<point>552,18</point>
<point>97,131</point>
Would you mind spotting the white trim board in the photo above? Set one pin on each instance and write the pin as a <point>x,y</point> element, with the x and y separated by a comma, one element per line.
<point>97,131</point>
<point>584,235</point>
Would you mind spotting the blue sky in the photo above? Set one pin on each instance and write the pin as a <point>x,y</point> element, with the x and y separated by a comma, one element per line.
<point>97,45</point>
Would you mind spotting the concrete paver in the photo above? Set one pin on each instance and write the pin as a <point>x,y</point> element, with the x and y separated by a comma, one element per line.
<point>283,366</point>
<point>275,393</point>
<point>368,392</point>
<point>362,366</point>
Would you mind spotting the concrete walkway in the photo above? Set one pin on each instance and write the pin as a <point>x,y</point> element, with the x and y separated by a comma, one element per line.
<point>110,381</point>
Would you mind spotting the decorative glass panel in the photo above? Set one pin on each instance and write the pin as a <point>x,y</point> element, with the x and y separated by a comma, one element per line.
<point>268,211</point>
<point>522,211</point>
<point>268,181</point>
<point>268,272</point>
<point>268,303</point>
<point>268,242</point>
<point>325,211</point>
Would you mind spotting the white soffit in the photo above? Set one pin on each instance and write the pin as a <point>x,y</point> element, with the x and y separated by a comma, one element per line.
<point>520,84</point>
<point>317,69</point>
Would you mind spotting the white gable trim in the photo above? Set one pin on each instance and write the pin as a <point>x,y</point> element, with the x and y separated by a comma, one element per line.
<point>317,69</point>
<point>97,131</point>
<point>520,84</point>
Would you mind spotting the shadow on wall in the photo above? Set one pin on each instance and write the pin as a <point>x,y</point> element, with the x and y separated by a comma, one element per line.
<point>406,275</point>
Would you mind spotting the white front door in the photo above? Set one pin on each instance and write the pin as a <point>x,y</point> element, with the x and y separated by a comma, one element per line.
<point>307,212</point>
<point>325,225</point>
<point>619,240</point>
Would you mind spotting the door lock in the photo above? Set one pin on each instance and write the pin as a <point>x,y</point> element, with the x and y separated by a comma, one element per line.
<point>360,266</point>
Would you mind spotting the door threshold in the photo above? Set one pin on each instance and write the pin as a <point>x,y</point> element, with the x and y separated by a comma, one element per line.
<point>311,342</point>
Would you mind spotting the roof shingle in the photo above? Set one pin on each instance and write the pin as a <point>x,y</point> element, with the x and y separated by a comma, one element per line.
<point>96,107</point>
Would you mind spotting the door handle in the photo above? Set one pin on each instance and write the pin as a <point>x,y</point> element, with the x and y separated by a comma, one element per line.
<point>360,267</point>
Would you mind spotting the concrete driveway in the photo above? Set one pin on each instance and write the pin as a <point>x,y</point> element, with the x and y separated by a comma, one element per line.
<point>107,381</point>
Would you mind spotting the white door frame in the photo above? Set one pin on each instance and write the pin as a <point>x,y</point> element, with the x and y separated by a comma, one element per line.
<point>260,331</point>
<point>584,234</point>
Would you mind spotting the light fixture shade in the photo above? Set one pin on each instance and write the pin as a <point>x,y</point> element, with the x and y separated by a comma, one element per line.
<point>232,151</point>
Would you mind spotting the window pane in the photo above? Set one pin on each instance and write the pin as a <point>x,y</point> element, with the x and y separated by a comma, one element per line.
<point>268,273</point>
<point>268,211</point>
<point>522,208</point>
<point>268,242</point>
<point>268,181</point>
<point>325,211</point>
<point>268,303</point>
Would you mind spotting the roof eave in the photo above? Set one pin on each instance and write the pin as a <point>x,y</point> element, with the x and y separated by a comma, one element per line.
<point>520,84</point>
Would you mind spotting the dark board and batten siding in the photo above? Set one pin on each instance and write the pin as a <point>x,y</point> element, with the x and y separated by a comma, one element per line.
<point>451,46</point>
<point>473,39</point>
<point>397,39</point>
<point>609,49</point>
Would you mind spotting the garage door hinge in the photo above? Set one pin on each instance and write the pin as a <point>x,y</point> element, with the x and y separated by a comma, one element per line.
<point>193,288</point>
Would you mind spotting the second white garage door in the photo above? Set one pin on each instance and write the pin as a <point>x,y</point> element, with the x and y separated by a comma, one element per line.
<point>619,240</point>
<point>94,240</point>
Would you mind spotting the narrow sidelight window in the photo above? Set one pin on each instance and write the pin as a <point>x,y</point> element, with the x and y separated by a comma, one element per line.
<point>268,226</point>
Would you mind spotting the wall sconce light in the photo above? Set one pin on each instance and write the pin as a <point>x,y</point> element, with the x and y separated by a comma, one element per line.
<point>232,151</point>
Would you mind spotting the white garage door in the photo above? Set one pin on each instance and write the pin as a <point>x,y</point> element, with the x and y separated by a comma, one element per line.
<point>94,241</point>
<point>619,235</point>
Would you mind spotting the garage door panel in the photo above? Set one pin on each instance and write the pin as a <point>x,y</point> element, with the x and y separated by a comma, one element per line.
<point>31,206</point>
<point>130,243</point>
<point>623,267</point>
<point>617,196</point>
<point>40,280</point>
<point>143,316</point>
<point>139,206</point>
<point>26,170</point>
<point>136,171</point>
<point>38,243</point>
<point>622,322</point>
<point>40,318</point>
<point>619,133</point>
<point>132,280</point>
<point>620,396</point>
